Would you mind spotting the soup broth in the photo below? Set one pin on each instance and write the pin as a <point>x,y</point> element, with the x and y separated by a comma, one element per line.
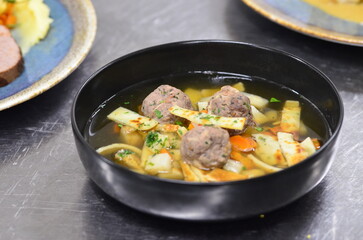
<point>270,100</point>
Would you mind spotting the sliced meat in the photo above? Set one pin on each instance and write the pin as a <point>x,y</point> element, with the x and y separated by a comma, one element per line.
<point>229,102</point>
<point>206,147</point>
<point>156,105</point>
<point>11,60</point>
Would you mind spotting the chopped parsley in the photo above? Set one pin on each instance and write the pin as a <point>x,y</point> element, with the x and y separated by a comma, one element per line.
<point>207,117</point>
<point>179,123</point>
<point>260,129</point>
<point>126,103</point>
<point>124,152</point>
<point>274,100</point>
<point>158,113</point>
<point>151,139</point>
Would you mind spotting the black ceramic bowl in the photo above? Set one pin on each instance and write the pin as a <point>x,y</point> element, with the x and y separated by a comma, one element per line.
<point>207,201</point>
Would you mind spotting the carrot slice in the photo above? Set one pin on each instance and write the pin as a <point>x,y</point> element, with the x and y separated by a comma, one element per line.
<point>316,143</point>
<point>10,21</point>
<point>276,129</point>
<point>116,128</point>
<point>204,111</point>
<point>166,151</point>
<point>243,144</point>
<point>242,159</point>
<point>191,126</point>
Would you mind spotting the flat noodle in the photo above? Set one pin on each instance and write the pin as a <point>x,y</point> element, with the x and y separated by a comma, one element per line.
<point>112,148</point>
<point>267,168</point>
<point>220,175</point>
<point>292,150</point>
<point>130,118</point>
<point>209,119</point>
<point>290,117</point>
<point>189,175</point>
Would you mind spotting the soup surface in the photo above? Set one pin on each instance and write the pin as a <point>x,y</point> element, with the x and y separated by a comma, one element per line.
<point>207,127</point>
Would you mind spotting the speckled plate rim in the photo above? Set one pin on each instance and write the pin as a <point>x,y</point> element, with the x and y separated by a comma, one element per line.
<point>278,17</point>
<point>84,21</point>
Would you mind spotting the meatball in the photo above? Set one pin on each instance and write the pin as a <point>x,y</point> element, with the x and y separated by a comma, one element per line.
<point>206,147</point>
<point>156,105</point>
<point>229,102</point>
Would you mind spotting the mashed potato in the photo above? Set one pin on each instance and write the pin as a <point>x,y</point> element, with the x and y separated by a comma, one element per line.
<point>33,23</point>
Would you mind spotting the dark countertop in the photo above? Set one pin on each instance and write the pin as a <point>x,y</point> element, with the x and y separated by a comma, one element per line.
<point>44,190</point>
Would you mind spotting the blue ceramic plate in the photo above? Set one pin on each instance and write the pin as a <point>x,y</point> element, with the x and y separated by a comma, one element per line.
<point>307,19</point>
<point>47,63</point>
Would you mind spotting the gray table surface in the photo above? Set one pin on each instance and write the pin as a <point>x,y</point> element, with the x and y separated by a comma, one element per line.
<point>44,190</point>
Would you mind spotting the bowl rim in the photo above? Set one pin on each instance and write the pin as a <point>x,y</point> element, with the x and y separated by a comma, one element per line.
<point>306,161</point>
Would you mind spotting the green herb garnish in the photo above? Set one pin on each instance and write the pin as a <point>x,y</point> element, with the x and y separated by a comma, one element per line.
<point>179,123</point>
<point>126,103</point>
<point>274,100</point>
<point>260,129</point>
<point>151,138</point>
<point>158,113</point>
<point>207,117</point>
<point>124,152</point>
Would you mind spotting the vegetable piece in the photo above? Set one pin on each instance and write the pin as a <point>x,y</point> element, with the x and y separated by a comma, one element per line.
<point>292,150</point>
<point>268,149</point>
<point>159,163</point>
<point>176,156</point>
<point>202,106</point>
<point>167,128</point>
<point>145,155</point>
<point>316,143</point>
<point>188,173</point>
<point>266,167</point>
<point>127,117</point>
<point>170,128</point>
<point>243,144</point>
<point>191,126</point>
<point>156,141</point>
<point>129,159</point>
<point>209,119</point>
<point>257,101</point>
<point>220,175</point>
<point>205,99</point>
<point>209,92</point>
<point>181,131</point>
<point>239,86</point>
<point>116,128</point>
<point>174,173</point>
<point>233,166</point>
<point>290,117</point>
<point>131,136</point>
<point>308,146</point>
<point>275,130</point>
<point>194,95</point>
<point>253,173</point>
<point>112,148</point>
<point>166,151</point>
<point>274,100</point>
<point>272,115</point>
<point>246,162</point>
<point>258,116</point>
